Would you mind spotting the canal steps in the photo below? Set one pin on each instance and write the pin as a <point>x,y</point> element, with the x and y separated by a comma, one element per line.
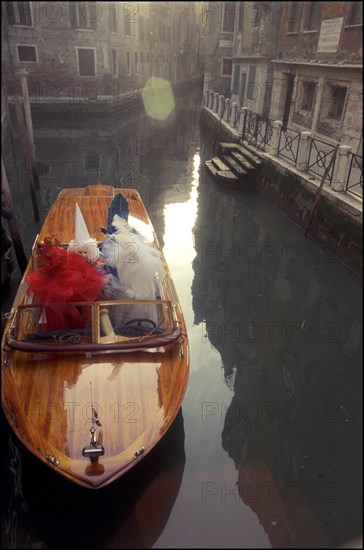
<point>235,148</point>
<point>234,166</point>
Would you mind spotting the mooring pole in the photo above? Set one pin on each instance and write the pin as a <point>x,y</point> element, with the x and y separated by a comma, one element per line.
<point>4,101</point>
<point>26,156</point>
<point>23,73</point>
<point>13,226</point>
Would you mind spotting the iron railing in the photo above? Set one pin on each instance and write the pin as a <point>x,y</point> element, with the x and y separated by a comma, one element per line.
<point>354,181</point>
<point>319,158</point>
<point>257,129</point>
<point>289,144</point>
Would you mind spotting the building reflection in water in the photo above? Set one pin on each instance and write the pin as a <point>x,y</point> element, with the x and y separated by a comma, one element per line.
<point>288,333</point>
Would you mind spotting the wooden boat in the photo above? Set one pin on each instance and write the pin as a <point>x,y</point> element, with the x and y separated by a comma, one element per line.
<point>91,402</point>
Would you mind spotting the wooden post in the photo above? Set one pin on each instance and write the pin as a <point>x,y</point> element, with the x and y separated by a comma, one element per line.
<point>26,156</point>
<point>13,226</point>
<point>4,101</point>
<point>332,160</point>
<point>23,73</point>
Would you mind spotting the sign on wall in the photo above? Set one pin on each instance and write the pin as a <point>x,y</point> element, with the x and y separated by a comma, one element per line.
<point>330,35</point>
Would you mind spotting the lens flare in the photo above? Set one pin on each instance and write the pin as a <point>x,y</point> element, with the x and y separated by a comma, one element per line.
<point>158,98</point>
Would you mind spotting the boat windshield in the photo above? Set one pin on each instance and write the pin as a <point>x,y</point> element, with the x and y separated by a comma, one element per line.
<point>109,325</point>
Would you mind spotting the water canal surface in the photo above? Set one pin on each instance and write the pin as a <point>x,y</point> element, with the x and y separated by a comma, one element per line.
<point>266,450</point>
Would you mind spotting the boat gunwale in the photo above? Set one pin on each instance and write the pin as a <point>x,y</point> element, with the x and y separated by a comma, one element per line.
<point>145,341</point>
<point>160,341</point>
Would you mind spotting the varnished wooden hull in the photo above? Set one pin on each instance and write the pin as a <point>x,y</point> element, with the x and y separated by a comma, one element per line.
<point>46,395</point>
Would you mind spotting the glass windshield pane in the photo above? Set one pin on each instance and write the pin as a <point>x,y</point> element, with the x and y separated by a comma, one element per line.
<point>99,323</point>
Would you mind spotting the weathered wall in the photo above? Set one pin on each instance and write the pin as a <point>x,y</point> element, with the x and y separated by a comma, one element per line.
<point>149,39</point>
<point>303,43</point>
<point>219,45</point>
<point>214,130</point>
<point>336,225</point>
<point>348,129</point>
<point>332,226</point>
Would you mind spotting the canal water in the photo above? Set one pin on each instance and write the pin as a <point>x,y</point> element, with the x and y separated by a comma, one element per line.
<point>266,449</point>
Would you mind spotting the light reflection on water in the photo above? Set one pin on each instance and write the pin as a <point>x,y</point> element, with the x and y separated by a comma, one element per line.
<point>179,221</point>
<point>267,449</point>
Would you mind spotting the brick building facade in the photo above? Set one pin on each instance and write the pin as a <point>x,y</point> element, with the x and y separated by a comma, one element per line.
<point>298,62</point>
<point>91,49</point>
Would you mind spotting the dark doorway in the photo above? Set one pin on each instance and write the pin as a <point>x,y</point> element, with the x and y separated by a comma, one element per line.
<point>288,100</point>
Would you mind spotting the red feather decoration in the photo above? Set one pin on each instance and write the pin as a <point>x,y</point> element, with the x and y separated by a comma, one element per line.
<point>64,277</point>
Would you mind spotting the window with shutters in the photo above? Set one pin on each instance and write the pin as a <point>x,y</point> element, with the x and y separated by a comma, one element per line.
<point>86,61</point>
<point>308,90</point>
<point>227,66</point>
<point>84,15</point>
<point>19,13</point>
<point>251,83</point>
<point>114,62</point>
<point>355,14</point>
<point>313,16</point>
<point>229,17</point>
<point>333,102</point>
<point>293,14</point>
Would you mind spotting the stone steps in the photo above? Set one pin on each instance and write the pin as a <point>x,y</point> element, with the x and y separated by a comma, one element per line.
<point>238,157</point>
<point>234,166</point>
<point>224,176</point>
<point>220,164</point>
<point>239,167</point>
<point>236,148</point>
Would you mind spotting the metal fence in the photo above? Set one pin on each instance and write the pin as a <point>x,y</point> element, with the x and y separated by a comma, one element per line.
<point>354,181</point>
<point>289,144</point>
<point>258,132</point>
<point>257,129</point>
<point>319,158</point>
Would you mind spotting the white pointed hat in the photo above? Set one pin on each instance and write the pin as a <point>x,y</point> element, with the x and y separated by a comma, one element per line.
<point>82,243</point>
